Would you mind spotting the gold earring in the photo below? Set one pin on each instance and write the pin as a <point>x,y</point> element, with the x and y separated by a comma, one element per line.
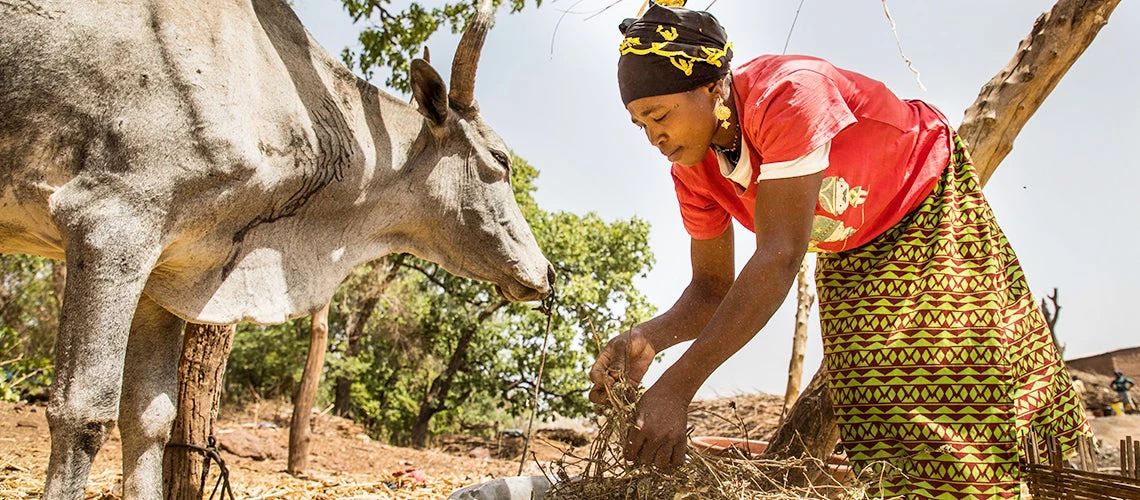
<point>722,113</point>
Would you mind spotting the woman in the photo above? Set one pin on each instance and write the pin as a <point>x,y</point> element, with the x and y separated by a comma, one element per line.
<point>938,357</point>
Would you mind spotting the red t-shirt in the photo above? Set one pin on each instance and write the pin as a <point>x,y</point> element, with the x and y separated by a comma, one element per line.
<point>885,153</point>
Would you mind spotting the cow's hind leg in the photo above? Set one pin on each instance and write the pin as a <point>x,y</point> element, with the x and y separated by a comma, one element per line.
<point>150,385</point>
<point>109,257</point>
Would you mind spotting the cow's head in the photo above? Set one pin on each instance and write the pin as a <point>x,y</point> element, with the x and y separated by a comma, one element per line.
<point>474,226</point>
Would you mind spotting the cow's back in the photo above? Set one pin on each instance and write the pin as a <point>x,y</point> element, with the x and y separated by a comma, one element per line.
<point>160,102</point>
<point>218,120</point>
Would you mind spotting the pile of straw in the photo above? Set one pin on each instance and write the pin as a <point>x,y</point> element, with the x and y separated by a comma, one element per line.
<point>604,473</point>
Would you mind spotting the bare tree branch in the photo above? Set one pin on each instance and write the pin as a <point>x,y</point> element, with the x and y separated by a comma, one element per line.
<point>1008,101</point>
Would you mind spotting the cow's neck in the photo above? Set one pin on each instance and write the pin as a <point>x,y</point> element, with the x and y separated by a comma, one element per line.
<point>363,207</point>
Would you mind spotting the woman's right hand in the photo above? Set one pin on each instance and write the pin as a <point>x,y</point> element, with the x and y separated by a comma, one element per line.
<point>626,356</point>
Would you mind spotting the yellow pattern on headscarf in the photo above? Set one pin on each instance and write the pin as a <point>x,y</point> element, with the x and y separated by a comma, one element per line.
<point>680,59</point>
<point>670,3</point>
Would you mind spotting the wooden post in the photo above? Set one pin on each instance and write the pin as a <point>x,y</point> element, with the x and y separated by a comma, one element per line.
<point>1083,454</point>
<point>804,300</point>
<point>1135,459</point>
<point>1090,453</point>
<point>205,350</point>
<point>299,427</point>
<point>1128,461</point>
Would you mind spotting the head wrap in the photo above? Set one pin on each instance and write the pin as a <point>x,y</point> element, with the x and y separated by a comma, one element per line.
<point>671,50</point>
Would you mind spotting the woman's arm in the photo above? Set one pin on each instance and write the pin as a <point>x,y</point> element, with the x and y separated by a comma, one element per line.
<point>713,274</point>
<point>629,355</point>
<point>783,218</point>
<point>784,212</point>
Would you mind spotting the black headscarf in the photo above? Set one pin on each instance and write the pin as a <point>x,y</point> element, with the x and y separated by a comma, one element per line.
<point>671,50</point>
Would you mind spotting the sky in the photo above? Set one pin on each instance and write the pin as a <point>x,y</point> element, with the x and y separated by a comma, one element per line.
<point>1066,196</point>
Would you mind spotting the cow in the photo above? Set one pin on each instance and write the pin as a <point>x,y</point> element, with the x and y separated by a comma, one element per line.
<point>208,162</point>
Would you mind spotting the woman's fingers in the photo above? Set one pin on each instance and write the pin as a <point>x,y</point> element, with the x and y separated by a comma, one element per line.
<point>611,363</point>
<point>678,456</point>
<point>598,395</point>
<point>600,371</point>
<point>647,455</point>
<point>663,459</point>
<point>611,366</point>
<point>634,442</point>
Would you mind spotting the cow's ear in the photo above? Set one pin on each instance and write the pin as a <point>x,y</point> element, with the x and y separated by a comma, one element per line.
<point>429,92</point>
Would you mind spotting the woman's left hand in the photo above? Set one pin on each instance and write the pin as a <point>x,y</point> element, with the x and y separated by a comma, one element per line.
<point>658,436</point>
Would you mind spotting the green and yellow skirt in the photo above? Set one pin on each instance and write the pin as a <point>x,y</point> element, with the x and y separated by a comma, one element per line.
<point>939,358</point>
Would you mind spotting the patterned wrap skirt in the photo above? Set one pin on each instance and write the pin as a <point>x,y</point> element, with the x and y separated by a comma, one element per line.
<point>939,358</point>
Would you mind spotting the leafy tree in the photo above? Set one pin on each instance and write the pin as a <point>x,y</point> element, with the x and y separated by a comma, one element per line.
<point>30,291</point>
<point>392,39</point>
<point>266,361</point>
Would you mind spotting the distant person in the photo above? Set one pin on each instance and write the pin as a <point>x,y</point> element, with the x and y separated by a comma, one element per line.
<point>1079,386</point>
<point>939,358</point>
<point>1121,385</point>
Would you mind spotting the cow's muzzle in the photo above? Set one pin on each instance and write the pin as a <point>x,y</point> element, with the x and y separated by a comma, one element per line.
<point>525,291</point>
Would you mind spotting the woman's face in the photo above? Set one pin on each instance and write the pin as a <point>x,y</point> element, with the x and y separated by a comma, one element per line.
<point>680,125</point>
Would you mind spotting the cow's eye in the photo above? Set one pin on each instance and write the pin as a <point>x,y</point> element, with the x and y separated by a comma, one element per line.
<point>502,158</point>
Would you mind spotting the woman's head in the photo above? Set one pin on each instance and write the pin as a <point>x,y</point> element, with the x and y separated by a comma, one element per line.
<point>671,74</point>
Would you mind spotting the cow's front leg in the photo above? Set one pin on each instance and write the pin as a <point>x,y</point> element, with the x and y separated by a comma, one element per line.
<point>150,394</point>
<point>108,261</point>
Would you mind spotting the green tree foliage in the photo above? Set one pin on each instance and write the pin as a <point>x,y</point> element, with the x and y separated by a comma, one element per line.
<point>391,39</point>
<point>266,361</point>
<point>30,289</point>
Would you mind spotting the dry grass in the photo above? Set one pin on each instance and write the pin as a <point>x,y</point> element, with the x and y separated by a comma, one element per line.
<point>604,473</point>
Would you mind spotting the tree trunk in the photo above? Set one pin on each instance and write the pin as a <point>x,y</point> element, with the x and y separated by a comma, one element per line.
<point>804,300</point>
<point>436,397</point>
<point>205,350</point>
<point>1008,100</point>
<point>809,429</point>
<point>307,393</point>
<point>1051,317</point>
<point>342,395</point>
<point>991,124</point>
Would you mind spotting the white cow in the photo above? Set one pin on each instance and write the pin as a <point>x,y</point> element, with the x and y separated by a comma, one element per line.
<point>208,161</point>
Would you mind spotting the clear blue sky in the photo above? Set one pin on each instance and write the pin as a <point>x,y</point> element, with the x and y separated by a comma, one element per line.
<point>1066,196</point>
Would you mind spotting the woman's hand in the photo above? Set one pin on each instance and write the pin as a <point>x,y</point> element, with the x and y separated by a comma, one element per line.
<point>627,357</point>
<point>658,436</point>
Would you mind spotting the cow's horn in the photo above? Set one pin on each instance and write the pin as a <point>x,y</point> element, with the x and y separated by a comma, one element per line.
<point>462,93</point>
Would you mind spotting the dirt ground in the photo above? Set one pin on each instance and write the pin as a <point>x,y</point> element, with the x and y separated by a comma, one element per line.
<point>1109,431</point>
<point>346,463</point>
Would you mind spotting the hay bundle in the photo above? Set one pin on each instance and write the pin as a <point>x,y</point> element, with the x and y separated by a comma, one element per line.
<point>727,475</point>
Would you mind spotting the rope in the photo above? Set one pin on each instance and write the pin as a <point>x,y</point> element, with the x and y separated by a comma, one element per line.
<point>547,308</point>
<point>210,452</point>
<point>898,42</point>
<point>793,28</point>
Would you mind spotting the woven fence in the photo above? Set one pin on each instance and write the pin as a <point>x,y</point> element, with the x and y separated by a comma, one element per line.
<point>1051,476</point>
